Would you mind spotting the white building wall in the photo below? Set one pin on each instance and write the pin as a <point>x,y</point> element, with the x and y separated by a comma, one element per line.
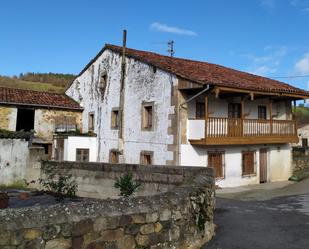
<point>142,83</point>
<point>75,142</point>
<point>278,163</point>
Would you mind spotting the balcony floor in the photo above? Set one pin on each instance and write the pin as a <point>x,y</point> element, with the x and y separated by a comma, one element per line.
<point>245,140</point>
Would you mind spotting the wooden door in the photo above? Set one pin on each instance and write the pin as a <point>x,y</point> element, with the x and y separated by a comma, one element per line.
<point>263,165</point>
<point>215,160</point>
<point>234,121</point>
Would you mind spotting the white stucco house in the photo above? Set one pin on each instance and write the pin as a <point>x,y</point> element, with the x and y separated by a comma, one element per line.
<point>158,110</point>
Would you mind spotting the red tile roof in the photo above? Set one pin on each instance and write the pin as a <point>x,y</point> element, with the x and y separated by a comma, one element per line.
<point>14,96</point>
<point>206,73</point>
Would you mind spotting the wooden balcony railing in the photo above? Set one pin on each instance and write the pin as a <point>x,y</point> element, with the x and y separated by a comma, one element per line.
<point>248,131</point>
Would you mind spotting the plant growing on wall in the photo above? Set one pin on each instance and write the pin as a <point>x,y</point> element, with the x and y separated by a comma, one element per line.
<point>61,185</point>
<point>127,185</point>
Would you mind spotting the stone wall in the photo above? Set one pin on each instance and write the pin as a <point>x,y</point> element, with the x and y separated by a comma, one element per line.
<point>180,218</point>
<point>300,163</point>
<point>96,180</point>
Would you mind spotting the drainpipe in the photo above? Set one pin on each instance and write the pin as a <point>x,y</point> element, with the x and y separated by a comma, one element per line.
<point>179,121</point>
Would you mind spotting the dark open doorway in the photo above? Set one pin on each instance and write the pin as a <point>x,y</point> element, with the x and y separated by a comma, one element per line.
<point>25,119</point>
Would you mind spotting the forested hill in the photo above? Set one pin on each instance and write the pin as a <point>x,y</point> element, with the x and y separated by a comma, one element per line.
<point>51,82</point>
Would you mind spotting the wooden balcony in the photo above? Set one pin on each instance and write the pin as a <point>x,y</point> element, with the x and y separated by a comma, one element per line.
<point>229,131</point>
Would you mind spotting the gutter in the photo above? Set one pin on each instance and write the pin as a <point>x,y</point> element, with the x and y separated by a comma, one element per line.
<point>179,121</point>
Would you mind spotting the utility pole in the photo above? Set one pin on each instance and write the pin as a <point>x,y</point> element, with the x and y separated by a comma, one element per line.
<point>122,89</point>
<point>171,48</point>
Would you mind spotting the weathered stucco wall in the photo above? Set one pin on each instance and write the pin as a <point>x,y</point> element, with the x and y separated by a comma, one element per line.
<point>97,179</point>
<point>8,118</point>
<point>143,83</point>
<point>18,161</point>
<point>13,157</point>
<point>45,121</point>
<point>181,218</point>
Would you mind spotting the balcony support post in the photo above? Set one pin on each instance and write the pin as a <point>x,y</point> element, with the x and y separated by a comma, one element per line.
<point>294,117</point>
<point>206,115</point>
<point>271,115</point>
<point>242,115</point>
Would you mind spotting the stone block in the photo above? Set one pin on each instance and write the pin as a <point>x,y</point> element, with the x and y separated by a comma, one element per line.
<point>125,220</point>
<point>58,244</point>
<point>147,229</point>
<point>138,218</point>
<point>31,234</point>
<point>82,227</point>
<point>152,217</point>
<point>158,227</point>
<point>127,242</point>
<point>132,229</point>
<point>112,235</point>
<point>142,240</point>
<point>165,215</point>
<point>177,215</point>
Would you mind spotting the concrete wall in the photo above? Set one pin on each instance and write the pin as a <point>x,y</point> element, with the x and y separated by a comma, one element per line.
<point>279,162</point>
<point>143,83</point>
<point>97,180</point>
<point>18,161</point>
<point>178,219</point>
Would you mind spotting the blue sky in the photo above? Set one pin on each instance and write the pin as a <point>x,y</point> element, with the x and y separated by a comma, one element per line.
<point>265,37</point>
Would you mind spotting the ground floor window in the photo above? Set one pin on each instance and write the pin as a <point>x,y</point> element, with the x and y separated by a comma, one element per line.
<point>216,161</point>
<point>114,156</point>
<point>82,155</point>
<point>146,157</point>
<point>248,163</point>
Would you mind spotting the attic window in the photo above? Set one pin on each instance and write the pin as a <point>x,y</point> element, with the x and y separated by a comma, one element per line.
<point>103,80</point>
<point>115,118</point>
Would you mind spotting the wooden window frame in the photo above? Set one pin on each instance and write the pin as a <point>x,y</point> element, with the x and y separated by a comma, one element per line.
<point>82,154</point>
<point>115,118</point>
<point>145,118</point>
<point>248,174</point>
<point>148,154</point>
<point>264,112</point>
<point>233,110</point>
<point>200,111</point>
<point>222,153</point>
<point>116,153</point>
<point>91,121</point>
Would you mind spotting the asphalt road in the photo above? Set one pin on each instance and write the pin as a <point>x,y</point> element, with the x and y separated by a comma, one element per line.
<point>278,223</point>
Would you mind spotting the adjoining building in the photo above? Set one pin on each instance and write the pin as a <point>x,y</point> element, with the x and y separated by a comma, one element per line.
<point>43,113</point>
<point>155,109</point>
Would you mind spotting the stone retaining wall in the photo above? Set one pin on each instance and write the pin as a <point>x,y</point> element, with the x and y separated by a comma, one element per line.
<point>300,163</point>
<point>97,180</point>
<point>180,218</point>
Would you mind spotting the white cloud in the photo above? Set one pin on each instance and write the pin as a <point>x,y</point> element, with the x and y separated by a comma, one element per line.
<point>263,70</point>
<point>269,62</point>
<point>300,4</point>
<point>160,27</point>
<point>302,66</point>
<point>308,85</point>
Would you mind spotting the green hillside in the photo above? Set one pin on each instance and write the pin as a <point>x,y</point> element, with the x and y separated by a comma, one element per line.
<point>302,114</point>
<point>49,82</point>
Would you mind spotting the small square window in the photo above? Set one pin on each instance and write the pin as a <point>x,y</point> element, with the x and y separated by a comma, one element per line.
<point>103,81</point>
<point>146,157</point>
<point>147,116</point>
<point>115,118</point>
<point>82,155</point>
<point>114,156</point>
<point>91,122</point>
<point>248,163</point>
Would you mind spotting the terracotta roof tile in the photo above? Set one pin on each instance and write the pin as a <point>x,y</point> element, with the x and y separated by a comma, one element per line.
<point>207,73</point>
<point>34,98</point>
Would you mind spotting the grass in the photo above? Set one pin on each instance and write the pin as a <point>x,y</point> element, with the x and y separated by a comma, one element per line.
<point>16,185</point>
<point>28,85</point>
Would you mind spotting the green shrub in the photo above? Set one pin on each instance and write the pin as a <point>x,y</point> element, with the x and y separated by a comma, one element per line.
<point>127,185</point>
<point>27,135</point>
